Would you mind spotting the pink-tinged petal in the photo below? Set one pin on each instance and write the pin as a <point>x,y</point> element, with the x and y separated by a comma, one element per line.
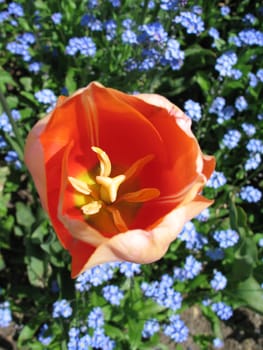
<point>34,159</point>
<point>145,247</point>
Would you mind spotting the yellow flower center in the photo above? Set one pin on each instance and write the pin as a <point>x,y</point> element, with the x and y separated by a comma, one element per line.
<point>101,193</point>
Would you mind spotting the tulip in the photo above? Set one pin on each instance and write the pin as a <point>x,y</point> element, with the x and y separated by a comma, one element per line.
<point>119,175</point>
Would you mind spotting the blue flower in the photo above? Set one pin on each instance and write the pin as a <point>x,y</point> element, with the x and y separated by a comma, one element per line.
<point>91,22</point>
<point>215,254</point>
<point>110,27</point>
<point>4,15</point>
<point>176,329</point>
<point>169,5</point>
<point>153,32</point>
<point>217,180</point>
<point>115,3</point>
<point>225,10</point>
<point>92,4</point>
<point>101,341</point>
<point>217,105</point>
<point>150,328</point>
<point>84,342</point>
<point>129,269</point>
<point>226,114</point>
<point>12,157</point>
<point>95,276</point>
<point>56,17</point>
<point>28,38</point>
<point>251,37</point>
<point>253,81</point>
<point>255,146</point>
<point>218,281</point>
<point>15,9</point>
<point>192,239</point>
<point>44,337</point>
<point>249,129</point>
<point>214,33</point>
<point>226,238</point>
<point>193,110</point>
<point>223,311</point>
<point>260,242</point>
<point>224,64</point>
<point>129,37</point>
<point>4,121</point>
<point>96,318</point>
<point>218,343</point>
<point>84,45</point>
<point>250,194</point>
<point>192,22</point>
<point>231,139</point>
<point>173,55</point>
<point>253,162</point>
<point>241,103</point>
<point>46,96</point>
<point>5,314</point>
<point>127,23</point>
<point>61,308</point>
<point>191,269</point>
<point>34,67</point>
<point>3,144</point>
<point>112,294</point>
<point>203,216</point>
<point>249,18</point>
<point>163,293</point>
<point>259,75</point>
<point>20,49</point>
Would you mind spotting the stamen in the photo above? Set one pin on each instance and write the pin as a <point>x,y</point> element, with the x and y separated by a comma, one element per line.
<point>137,166</point>
<point>143,195</point>
<point>91,208</point>
<point>105,163</point>
<point>109,187</point>
<point>102,192</point>
<point>117,219</point>
<point>80,186</point>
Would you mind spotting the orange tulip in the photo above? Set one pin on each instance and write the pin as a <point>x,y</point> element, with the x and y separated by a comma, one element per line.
<point>119,175</point>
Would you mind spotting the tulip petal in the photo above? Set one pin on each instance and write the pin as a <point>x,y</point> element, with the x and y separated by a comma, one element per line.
<point>34,159</point>
<point>145,247</point>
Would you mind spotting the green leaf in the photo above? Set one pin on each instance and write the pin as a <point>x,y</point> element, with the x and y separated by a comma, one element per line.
<point>2,262</point>
<point>27,83</point>
<point>250,292</point>
<point>203,81</point>
<point>70,81</point>
<point>12,101</point>
<point>24,215</point>
<point>135,328</point>
<point>5,78</point>
<point>37,271</point>
<point>27,333</point>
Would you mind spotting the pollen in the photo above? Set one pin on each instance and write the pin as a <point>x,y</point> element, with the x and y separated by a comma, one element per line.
<point>104,193</point>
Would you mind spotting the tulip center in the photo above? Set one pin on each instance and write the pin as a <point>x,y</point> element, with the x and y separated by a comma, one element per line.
<point>102,192</point>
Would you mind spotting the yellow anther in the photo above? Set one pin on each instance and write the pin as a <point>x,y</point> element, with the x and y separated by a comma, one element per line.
<point>109,187</point>
<point>105,164</point>
<point>80,186</point>
<point>101,191</point>
<point>91,208</point>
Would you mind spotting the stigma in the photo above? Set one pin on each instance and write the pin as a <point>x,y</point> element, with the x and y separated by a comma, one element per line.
<point>103,193</point>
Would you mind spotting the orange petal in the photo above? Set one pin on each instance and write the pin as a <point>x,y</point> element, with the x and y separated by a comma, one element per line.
<point>145,247</point>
